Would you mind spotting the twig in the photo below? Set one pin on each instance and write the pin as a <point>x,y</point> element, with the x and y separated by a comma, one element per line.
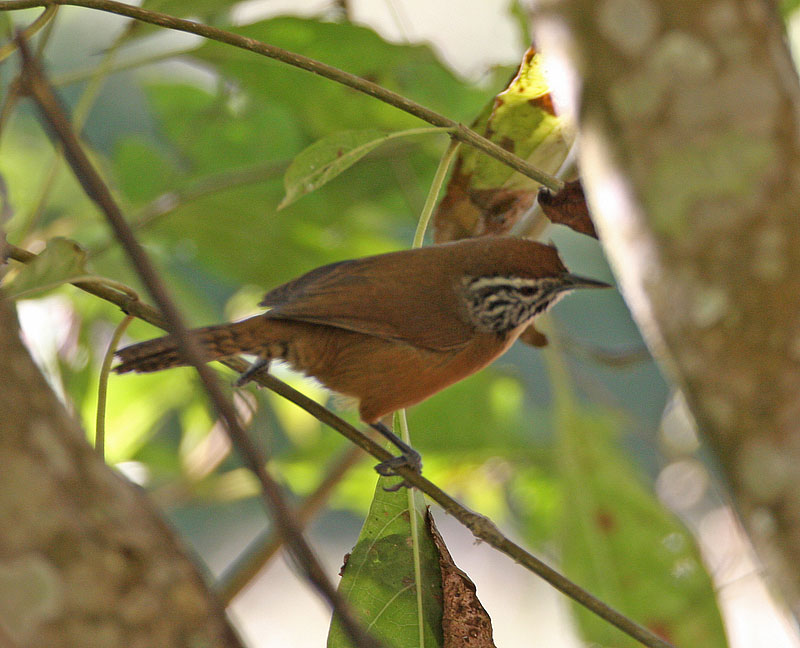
<point>42,21</point>
<point>260,550</point>
<point>34,83</point>
<point>166,203</point>
<point>79,75</point>
<point>461,132</point>
<point>481,527</point>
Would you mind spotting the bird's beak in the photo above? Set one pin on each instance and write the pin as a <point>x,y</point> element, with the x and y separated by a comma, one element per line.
<point>571,282</point>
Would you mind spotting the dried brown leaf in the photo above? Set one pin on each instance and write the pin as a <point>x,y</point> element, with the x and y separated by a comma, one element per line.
<point>465,623</point>
<point>533,337</point>
<point>568,207</point>
<point>485,197</point>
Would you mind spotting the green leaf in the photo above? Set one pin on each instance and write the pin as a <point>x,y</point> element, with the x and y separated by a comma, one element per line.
<point>379,579</point>
<point>521,119</point>
<point>622,545</point>
<point>486,196</point>
<point>205,9</point>
<point>60,262</point>
<point>327,158</point>
<point>322,106</point>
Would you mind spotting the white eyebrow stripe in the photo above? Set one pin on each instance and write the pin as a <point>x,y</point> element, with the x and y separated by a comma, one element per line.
<point>501,303</point>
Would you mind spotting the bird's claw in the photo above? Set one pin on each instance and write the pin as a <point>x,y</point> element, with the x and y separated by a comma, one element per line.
<point>257,367</point>
<point>410,459</point>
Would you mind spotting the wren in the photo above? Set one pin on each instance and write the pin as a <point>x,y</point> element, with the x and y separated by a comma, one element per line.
<point>393,329</point>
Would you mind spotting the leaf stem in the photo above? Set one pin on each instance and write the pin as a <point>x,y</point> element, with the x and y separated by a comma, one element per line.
<point>400,420</point>
<point>433,194</point>
<point>102,387</point>
<point>401,423</point>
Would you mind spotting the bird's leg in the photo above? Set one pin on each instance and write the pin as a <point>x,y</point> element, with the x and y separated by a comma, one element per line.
<point>408,457</point>
<point>262,364</point>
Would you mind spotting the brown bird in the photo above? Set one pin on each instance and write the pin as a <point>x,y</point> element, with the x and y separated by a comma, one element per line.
<point>393,329</point>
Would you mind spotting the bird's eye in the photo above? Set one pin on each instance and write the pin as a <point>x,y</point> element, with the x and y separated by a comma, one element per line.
<point>528,291</point>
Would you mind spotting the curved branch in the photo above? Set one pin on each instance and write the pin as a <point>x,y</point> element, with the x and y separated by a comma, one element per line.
<point>480,526</point>
<point>30,31</point>
<point>461,132</point>
<point>33,82</point>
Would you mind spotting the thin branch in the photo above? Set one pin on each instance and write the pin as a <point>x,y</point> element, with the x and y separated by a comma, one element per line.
<point>481,527</point>
<point>461,132</point>
<point>42,21</point>
<point>35,84</point>
<point>79,75</point>
<point>167,203</point>
<point>267,544</point>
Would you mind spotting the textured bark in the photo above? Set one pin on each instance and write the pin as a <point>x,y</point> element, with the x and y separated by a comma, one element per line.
<point>688,119</point>
<point>84,558</point>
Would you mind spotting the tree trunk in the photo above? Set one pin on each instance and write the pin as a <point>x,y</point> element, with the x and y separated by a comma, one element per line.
<point>690,153</point>
<point>84,558</point>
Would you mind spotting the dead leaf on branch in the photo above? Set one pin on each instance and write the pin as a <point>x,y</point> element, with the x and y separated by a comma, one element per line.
<point>568,207</point>
<point>465,623</point>
<point>485,197</point>
<point>466,212</point>
<point>533,337</point>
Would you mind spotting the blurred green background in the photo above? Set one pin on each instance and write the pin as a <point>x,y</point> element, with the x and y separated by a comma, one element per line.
<point>194,138</point>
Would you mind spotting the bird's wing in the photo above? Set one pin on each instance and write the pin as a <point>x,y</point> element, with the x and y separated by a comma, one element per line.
<point>373,296</point>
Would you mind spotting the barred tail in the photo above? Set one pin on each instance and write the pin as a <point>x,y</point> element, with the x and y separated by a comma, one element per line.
<point>214,342</point>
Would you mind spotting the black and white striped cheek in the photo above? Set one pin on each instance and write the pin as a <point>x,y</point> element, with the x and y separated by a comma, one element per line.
<point>499,304</point>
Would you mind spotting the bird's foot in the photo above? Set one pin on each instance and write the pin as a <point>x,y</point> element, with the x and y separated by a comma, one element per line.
<point>408,458</point>
<point>259,365</point>
<point>389,467</point>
